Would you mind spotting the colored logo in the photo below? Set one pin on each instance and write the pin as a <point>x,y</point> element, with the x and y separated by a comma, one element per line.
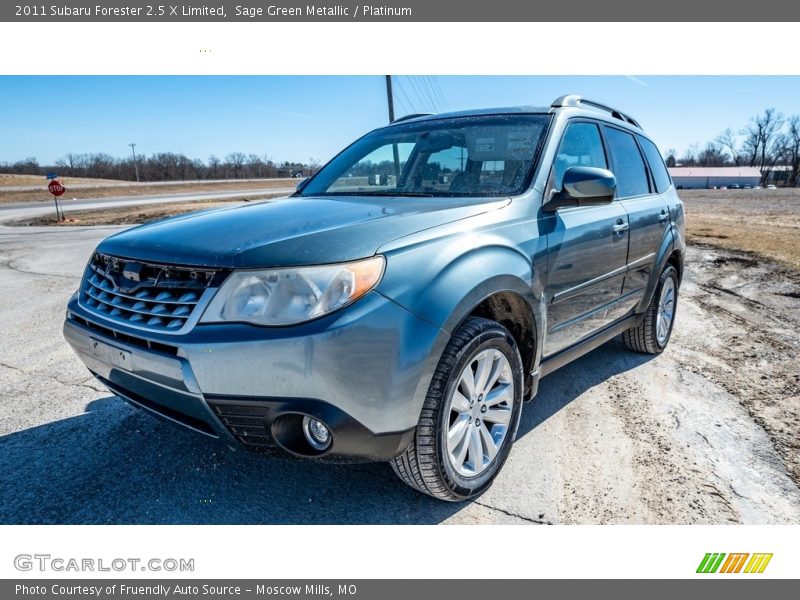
<point>719,562</point>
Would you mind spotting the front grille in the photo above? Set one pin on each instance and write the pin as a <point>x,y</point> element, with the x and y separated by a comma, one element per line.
<point>149,296</point>
<point>247,422</point>
<point>124,337</point>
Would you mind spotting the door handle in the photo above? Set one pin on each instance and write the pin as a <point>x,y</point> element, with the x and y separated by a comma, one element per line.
<point>620,227</point>
<point>663,216</point>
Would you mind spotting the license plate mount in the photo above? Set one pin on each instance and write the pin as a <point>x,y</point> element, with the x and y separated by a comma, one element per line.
<point>117,357</point>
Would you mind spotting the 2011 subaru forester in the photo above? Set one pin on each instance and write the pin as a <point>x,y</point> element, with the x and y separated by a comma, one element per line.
<point>406,300</point>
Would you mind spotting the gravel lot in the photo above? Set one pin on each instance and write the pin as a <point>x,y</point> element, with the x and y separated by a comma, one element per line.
<point>704,433</point>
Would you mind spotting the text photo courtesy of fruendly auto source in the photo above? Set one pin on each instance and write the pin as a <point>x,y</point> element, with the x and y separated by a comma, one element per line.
<point>406,299</point>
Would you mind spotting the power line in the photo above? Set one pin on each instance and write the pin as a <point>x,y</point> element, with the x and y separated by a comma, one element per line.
<point>398,99</point>
<point>426,94</point>
<point>409,105</point>
<point>417,93</point>
<point>440,92</point>
<point>431,93</point>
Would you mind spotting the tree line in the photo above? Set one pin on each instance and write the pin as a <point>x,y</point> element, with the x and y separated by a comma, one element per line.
<point>768,140</point>
<point>164,166</point>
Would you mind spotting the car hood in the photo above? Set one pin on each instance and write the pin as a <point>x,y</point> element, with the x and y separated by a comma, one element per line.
<point>291,231</point>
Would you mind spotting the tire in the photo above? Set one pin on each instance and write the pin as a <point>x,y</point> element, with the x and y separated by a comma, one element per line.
<point>433,465</point>
<point>647,337</point>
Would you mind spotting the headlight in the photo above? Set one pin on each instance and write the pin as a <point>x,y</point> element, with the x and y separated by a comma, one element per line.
<point>294,295</point>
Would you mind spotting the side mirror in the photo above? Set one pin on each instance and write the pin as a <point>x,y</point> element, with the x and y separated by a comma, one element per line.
<point>301,184</point>
<point>583,186</point>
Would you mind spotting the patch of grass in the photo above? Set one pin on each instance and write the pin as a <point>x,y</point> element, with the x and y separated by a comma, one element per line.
<point>762,222</point>
<point>14,180</point>
<point>144,189</point>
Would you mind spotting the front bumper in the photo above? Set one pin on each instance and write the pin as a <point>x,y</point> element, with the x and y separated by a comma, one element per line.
<point>364,371</point>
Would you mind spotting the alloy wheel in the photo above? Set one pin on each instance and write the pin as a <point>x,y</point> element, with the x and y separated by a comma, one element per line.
<point>479,413</point>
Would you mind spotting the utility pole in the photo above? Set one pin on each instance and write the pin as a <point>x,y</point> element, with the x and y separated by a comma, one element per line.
<point>135,164</point>
<point>390,97</point>
<point>395,153</point>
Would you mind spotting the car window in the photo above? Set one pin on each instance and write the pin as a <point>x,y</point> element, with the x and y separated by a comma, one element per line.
<point>468,156</point>
<point>581,146</point>
<point>443,167</point>
<point>657,168</point>
<point>628,164</point>
<point>376,170</point>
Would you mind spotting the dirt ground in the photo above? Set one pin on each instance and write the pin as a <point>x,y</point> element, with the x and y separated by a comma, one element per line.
<point>764,222</point>
<point>114,191</point>
<point>746,338</point>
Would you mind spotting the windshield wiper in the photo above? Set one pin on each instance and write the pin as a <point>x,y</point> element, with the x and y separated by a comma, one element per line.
<point>381,194</point>
<point>410,194</point>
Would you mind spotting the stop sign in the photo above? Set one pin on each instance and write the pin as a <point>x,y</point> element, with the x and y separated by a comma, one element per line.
<point>56,188</point>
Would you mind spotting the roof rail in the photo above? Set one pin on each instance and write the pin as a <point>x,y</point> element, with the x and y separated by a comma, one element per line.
<point>411,116</point>
<point>577,101</point>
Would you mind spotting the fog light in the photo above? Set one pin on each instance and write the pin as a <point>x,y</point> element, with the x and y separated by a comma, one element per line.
<point>317,434</point>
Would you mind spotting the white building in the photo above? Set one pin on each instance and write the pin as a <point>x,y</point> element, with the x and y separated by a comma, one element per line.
<point>703,178</point>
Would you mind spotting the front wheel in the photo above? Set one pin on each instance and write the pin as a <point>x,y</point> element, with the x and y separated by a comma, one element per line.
<point>469,417</point>
<point>652,334</point>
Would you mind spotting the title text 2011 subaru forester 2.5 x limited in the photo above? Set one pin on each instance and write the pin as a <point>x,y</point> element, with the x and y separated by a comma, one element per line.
<point>406,300</point>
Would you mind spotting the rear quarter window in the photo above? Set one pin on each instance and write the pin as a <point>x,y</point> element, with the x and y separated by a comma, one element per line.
<point>657,167</point>
<point>629,167</point>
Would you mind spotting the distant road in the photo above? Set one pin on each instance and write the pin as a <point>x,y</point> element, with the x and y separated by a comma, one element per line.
<point>10,212</point>
<point>112,184</point>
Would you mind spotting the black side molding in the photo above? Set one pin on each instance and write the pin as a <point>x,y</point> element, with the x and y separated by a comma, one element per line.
<point>558,360</point>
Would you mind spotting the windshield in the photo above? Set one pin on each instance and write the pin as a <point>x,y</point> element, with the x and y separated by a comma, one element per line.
<point>466,156</point>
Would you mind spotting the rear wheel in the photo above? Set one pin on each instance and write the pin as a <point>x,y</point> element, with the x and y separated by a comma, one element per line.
<point>469,417</point>
<point>652,335</point>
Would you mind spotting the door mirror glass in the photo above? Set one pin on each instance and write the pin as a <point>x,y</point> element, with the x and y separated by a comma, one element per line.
<point>583,186</point>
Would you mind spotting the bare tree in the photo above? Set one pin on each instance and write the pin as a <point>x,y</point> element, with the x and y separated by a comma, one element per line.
<point>313,165</point>
<point>727,140</point>
<point>255,166</point>
<point>214,167</point>
<point>689,158</point>
<point>712,155</point>
<point>236,161</point>
<point>763,143</point>
<point>793,149</point>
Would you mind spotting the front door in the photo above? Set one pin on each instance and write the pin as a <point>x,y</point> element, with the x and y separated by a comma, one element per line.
<point>587,250</point>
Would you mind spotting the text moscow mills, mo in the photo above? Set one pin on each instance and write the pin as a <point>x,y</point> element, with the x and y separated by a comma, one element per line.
<point>240,11</point>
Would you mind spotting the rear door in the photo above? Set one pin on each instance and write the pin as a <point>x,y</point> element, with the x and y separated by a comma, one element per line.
<point>587,249</point>
<point>647,209</point>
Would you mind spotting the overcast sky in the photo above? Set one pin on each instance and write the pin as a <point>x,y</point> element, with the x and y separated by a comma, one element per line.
<point>297,118</point>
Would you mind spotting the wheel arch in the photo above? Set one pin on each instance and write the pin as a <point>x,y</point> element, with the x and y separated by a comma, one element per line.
<point>667,254</point>
<point>474,277</point>
<point>513,312</point>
